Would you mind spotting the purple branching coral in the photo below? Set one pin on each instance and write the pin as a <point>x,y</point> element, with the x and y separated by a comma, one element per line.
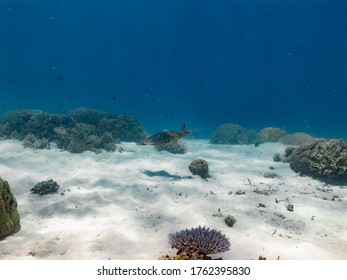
<point>200,240</point>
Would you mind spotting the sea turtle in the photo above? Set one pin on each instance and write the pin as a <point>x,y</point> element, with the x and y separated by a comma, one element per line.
<point>166,137</point>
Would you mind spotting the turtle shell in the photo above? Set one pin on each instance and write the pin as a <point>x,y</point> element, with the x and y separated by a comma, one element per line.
<point>162,138</point>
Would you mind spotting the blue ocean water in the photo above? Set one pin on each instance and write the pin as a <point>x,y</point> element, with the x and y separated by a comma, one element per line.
<point>257,63</point>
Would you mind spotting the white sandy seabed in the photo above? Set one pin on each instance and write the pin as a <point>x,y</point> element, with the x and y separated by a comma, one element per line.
<point>106,208</point>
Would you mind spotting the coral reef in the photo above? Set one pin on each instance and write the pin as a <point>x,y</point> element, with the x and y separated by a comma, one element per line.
<point>9,216</point>
<point>321,158</point>
<point>83,130</point>
<point>18,124</point>
<point>270,134</point>
<point>230,133</point>
<point>176,147</point>
<point>199,167</point>
<point>296,139</point>
<point>31,141</point>
<point>83,137</point>
<point>45,187</point>
<point>86,115</point>
<point>122,127</point>
<point>198,243</point>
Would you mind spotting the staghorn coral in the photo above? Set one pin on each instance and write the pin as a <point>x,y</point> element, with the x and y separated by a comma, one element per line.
<point>324,159</point>
<point>198,243</point>
<point>230,133</point>
<point>9,216</point>
<point>31,141</point>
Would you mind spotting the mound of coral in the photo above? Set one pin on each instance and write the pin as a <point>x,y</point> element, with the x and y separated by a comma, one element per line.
<point>83,130</point>
<point>296,139</point>
<point>270,134</point>
<point>321,158</point>
<point>230,133</point>
<point>197,243</point>
<point>9,216</point>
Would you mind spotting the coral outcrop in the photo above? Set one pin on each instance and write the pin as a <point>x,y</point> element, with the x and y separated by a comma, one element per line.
<point>199,167</point>
<point>83,130</point>
<point>296,139</point>
<point>197,243</point>
<point>321,158</point>
<point>9,216</point>
<point>230,133</point>
<point>270,134</point>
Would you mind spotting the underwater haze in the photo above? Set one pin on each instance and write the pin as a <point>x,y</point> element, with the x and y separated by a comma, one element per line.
<point>256,63</point>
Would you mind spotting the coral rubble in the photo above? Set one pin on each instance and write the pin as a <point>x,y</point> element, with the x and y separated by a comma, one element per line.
<point>9,216</point>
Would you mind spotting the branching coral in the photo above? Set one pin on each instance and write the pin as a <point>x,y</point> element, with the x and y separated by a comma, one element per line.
<point>83,130</point>
<point>329,158</point>
<point>321,158</point>
<point>197,243</point>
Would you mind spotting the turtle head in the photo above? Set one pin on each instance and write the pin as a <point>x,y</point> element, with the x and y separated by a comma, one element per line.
<point>185,131</point>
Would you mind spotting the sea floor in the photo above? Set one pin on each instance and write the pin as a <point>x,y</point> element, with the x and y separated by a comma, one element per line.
<point>106,208</point>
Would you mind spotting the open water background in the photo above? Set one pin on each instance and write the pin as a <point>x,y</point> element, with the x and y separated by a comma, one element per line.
<point>256,63</point>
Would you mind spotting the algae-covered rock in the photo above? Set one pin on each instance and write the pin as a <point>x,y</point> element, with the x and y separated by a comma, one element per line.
<point>9,216</point>
<point>199,167</point>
